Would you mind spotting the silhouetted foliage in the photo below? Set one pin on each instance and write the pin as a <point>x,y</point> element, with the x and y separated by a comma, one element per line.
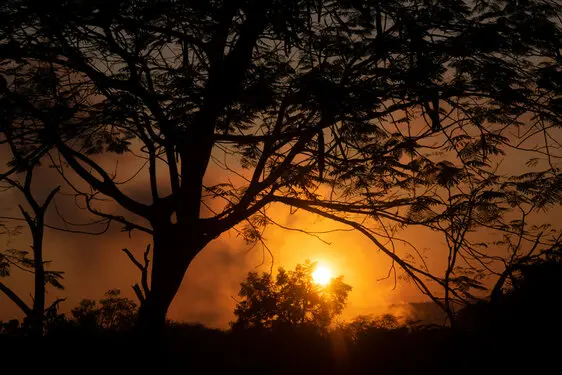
<point>86,314</point>
<point>114,313</point>
<point>378,115</point>
<point>9,328</point>
<point>33,213</point>
<point>529,301</point>
<point>365,325</point>
<point>380,345</point>
<point>292,298</point>
<point>195,349</point>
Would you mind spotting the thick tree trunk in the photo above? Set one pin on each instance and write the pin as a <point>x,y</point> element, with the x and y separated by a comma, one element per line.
<point>172,254</point>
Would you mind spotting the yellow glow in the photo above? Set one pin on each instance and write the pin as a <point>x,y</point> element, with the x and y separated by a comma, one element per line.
<point>322,275</point>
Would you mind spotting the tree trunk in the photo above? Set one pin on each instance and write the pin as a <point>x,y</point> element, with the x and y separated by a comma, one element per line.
<point>38,312</point>
<point>172,254</point>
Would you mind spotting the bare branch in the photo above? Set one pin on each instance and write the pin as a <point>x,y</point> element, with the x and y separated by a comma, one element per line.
<point>15,299</point>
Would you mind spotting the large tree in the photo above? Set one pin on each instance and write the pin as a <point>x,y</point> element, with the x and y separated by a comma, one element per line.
<point>391,111</point>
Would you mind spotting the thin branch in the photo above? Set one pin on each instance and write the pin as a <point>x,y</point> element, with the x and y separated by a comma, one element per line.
<point>141,294</point>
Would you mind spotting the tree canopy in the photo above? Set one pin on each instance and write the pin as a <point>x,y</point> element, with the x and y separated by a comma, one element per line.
<point>291,298</point>
<point>113,313</point>
<point>376,114</point>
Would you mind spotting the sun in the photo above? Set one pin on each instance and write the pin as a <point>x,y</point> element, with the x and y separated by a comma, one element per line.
<point>322,275</point>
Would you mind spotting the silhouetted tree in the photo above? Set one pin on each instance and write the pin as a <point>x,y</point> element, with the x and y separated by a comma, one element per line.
<point>86,314</point>
<point>9,328</point>
<point>292,298</point>
<point>113,313</point>
<point>117,313</point>
<point>369,113</point>
<point>525,298</point>
<point>34,217</point>
<point>364,325</point>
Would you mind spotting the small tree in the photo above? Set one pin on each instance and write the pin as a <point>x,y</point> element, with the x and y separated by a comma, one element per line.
<point>86,314</point>
<point>117,313</point>
<point>113,313</point>
<point>34,216</point>
<point>292,298</point>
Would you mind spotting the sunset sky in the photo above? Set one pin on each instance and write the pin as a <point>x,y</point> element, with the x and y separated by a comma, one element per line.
<point>94,264</point>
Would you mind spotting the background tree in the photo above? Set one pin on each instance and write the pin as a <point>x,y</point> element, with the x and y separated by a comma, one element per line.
<point>86,314</point>
<point>366,325</point>
<point>525,298</point>
<point>292,298</point>
<point>368,113</point>
<point>114,313</point>
<point>480,270</point>
<point>34,216</point>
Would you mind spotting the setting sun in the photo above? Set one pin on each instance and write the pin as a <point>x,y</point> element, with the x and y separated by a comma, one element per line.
<point>322,275</point>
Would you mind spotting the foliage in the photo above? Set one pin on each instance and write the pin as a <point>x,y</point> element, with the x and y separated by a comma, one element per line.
<point>21,260</point>
<point>527,301</point>
<point>33,213</point>
<point>86,314</point>
<point>378,115</point>
<point>292,298</point>
<point>196,349</point>
<point>113,313</point>
<point>369,327</point>
<point>539,279</point>
<point>10,327</point>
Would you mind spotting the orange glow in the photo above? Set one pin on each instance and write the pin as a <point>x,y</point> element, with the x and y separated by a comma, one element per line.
<point>322,275</point>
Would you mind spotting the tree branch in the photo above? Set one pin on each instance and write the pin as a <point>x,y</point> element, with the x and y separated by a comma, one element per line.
<point>15,299</point>
<point>141,294</point>
<point>106,186</point>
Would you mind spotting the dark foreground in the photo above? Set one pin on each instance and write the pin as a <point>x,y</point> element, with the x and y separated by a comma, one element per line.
<point>198,350</point>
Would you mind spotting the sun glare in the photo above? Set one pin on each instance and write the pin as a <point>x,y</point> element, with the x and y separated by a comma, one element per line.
<point>322,275</point>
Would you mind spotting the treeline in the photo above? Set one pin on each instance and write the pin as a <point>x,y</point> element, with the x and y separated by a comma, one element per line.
<point>113,313</point>
<point>366,347</point>
<point>519,327</point>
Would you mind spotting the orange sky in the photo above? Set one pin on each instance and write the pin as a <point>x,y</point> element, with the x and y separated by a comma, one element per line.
<point>94,264</point>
